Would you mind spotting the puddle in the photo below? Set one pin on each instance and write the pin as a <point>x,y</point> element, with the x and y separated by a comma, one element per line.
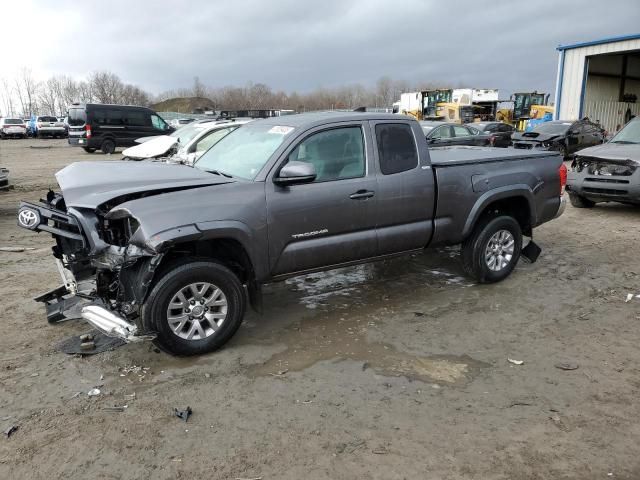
<point>344,306</point>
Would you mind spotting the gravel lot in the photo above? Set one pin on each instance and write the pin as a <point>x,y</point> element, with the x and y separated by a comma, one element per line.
<point>391,370</point>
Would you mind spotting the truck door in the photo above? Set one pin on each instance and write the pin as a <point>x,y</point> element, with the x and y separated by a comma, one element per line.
<point>331,220</point>
<point>406,188</point>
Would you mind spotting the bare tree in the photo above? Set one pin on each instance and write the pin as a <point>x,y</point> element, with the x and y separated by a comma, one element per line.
<point>198,88</point>
<point>27,90</point>
<point>384,92</point>
<point>106,87</point>
<point>48,97</point>
<point>6,95</point>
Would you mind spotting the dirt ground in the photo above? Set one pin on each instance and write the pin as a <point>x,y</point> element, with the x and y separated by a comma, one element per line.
<point>394,370</point>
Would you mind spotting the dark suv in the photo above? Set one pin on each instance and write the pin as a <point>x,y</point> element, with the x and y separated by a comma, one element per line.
<point>106,127</point>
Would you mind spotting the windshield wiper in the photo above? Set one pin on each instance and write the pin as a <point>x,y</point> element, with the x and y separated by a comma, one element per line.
<point>218,172</point>
<point>624,141</point>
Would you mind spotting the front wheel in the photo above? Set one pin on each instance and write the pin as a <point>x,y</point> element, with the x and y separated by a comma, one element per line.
<point>492,250</point>
<point>580,202</point>
<point>195,307</point>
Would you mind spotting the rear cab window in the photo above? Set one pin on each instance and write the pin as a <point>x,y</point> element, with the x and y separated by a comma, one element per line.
<point>397,150</point>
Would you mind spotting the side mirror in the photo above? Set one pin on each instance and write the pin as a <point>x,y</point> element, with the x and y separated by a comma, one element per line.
<point>432,140</point>
<point>191,158</point>
<point>295,173</point>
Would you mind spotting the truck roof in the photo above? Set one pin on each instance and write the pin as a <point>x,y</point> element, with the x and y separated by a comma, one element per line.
<point>319,118</point>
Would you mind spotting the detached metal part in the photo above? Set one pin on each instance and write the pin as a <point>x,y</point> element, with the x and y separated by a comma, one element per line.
<point>111,324</point>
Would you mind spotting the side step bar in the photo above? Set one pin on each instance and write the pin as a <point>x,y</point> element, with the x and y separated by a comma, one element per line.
<point>111,324</point>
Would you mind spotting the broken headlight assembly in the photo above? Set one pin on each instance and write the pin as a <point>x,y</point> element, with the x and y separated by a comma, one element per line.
<point>118,226</point>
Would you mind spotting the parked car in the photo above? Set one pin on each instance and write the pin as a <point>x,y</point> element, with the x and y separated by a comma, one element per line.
<point>499,132</point>
<point>443,134</point>
<point>12,127</point>
<point>174,251</point>
<point>27,126</point>
<point>608,172</point>
<point>566,137</point>
<point>4,178</point>
<point>47,126</point>
<point>181,122</point>
<point>65,123</point>
<point>106,127</point>
<point>186,144</point>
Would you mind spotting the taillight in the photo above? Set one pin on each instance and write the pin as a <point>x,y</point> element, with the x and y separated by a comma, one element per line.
<point>562,172</point>
<point>87,128</point>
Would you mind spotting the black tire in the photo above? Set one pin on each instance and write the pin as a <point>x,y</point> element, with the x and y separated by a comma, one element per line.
<point>89,149</point>
<point>580,202</point>
<point>475,246</point>
<point>108,146</point>
<point>179,275</point>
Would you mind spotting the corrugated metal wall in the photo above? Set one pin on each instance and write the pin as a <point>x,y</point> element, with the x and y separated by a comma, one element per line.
<point>573,74</point>
<point>610,114</point>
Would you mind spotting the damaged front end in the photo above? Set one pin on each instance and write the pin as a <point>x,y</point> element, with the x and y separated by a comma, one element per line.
<point>105,267</point>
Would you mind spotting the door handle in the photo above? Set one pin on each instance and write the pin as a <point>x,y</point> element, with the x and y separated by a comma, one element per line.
<point>361,194</point>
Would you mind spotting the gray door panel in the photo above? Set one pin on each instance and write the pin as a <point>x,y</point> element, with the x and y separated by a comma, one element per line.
<point>405,202</point>
<point>326,222</point>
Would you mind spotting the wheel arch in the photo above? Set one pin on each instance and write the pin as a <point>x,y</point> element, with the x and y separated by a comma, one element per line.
<point>517,202</point>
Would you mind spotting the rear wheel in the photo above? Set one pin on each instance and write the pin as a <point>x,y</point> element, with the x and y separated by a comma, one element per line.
<point>89,149</point>
<point>580,202</point>
<point>195,307</point>
<point>492,250</point>
<point>108,146</point>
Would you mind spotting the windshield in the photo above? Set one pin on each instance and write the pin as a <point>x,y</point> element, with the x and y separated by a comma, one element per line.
<point>187,133</point>
<point>629,134</point>
<point>245,151</point>
<point>12,121</point>
<point>549,127</point>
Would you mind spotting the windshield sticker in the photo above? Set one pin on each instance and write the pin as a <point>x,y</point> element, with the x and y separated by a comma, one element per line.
<point>280,130</point>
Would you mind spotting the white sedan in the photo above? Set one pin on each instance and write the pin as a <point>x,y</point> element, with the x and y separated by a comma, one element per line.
<point>185,145</point>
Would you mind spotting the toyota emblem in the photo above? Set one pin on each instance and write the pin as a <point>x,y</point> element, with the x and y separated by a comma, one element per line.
<point>28,218</point>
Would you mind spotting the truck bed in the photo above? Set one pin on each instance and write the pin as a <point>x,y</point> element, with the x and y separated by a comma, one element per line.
<point>464,155</point>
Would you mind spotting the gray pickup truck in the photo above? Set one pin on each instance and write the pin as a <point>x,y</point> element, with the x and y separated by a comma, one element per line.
<point>175,252</point>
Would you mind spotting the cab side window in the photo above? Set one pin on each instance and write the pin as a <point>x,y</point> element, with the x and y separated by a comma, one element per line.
<point>136,119</point>
<point>396,148</point>
<point>461,131</point>
<point>442,132</point>
<point>336,154</point>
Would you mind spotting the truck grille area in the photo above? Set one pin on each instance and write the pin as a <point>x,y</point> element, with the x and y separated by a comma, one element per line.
<point>605,191</point>
<point>606,180</point>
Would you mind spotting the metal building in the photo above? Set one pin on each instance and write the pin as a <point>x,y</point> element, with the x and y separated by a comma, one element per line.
<point>600,80</point>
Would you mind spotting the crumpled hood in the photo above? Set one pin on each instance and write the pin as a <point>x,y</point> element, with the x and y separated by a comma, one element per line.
<point>154,147</point>
<point>89,184</point>
<point>535,136</point>
<point>623,153</point>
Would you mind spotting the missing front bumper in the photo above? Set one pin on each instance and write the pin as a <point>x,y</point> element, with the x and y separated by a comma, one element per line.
<point>112,325</point>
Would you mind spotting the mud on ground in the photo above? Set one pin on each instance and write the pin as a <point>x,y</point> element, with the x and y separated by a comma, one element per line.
<point>391,370</point>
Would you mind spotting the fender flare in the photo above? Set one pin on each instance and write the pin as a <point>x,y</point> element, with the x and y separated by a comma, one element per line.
<point>501,193</point>
<point>218,229</point>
